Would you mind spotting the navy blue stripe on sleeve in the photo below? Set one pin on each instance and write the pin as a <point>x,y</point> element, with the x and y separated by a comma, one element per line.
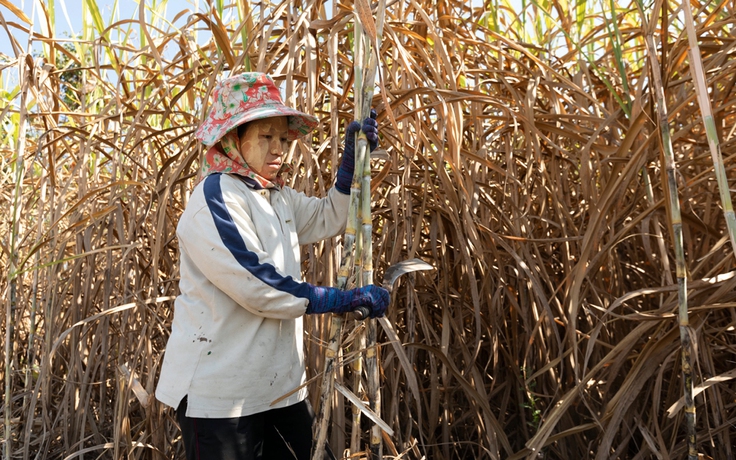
<point>232,240</point>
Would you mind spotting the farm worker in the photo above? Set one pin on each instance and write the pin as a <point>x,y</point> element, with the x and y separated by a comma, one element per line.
<point>236,342</point>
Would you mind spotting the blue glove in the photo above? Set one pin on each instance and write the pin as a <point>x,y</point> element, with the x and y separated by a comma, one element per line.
<point>334,300</point>
<point>347,165</point>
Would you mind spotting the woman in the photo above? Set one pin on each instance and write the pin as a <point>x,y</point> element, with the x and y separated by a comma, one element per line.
<point>236,343</point>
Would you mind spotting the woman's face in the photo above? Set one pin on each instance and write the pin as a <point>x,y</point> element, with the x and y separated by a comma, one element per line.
<point>263,145</point>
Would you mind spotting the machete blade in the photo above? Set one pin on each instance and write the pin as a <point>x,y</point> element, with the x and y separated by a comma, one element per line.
<point>405,266</point>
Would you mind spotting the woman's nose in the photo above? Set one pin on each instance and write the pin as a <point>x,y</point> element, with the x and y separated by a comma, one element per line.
<point>277,147</point>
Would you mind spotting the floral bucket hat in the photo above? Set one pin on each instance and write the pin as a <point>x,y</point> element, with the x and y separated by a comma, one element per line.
<point>246,97</point>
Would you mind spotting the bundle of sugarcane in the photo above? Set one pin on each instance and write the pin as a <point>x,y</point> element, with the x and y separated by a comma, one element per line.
<point>357,256</point>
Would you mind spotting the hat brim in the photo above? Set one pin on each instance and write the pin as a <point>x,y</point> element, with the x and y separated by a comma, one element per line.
<point>300,123</point>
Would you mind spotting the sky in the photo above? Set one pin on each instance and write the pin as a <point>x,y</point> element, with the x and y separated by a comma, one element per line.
<point>69,19</point>
<point>69,15</point>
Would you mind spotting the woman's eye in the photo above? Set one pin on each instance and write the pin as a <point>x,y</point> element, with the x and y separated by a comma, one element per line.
<point>284,140</point>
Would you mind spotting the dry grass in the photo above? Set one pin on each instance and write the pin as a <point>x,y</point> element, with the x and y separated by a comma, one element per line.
<point>525,164</point>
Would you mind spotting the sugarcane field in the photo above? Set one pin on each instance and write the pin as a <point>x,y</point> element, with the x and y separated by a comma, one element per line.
<point>528,248</point>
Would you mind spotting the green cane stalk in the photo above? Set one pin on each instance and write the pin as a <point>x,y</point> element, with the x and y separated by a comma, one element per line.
<point>371,332</point>
<point>365,97</point>
<point>359,53</point>
<point>674,203</point>
<point>347,263</point>
<point>336,324</point>
<point>701,90</point>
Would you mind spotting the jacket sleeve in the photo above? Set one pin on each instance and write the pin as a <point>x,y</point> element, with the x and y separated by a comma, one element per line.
<point>318,218</point>
<point>221,240</point>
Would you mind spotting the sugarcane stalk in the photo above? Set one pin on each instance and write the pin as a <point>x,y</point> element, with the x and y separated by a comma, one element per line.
<point>360,336</point>
<point>701,90</point>
<point>371,355</point>
<point>359,53</point>
<point>347,262</point>
<point>355,432</point>
<point>365,97</point>
<point>23,74</point>
<point>676,223</point>
<point>336,323</point>
<point>368,335</point>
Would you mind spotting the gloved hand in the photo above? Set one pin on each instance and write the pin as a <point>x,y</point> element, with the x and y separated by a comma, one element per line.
<point>347,165</point>
<point>334,300</point>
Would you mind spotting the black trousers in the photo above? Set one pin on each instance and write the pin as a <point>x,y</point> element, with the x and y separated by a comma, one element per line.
<point>277,434</point>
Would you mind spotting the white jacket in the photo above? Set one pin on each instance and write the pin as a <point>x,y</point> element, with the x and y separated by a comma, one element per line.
<point>236,341</point>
